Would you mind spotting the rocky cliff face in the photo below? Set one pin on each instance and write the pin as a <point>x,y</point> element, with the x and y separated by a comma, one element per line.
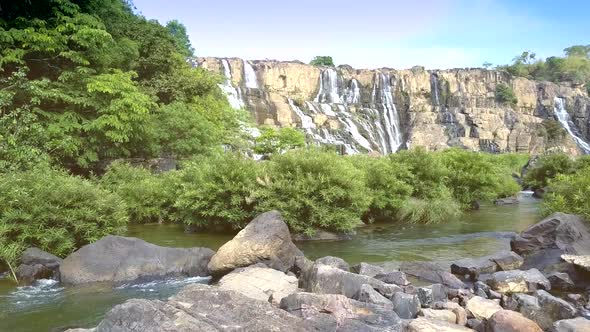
<point>384,110</point>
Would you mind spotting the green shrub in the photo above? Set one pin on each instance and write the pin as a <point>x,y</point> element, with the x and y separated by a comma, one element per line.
<point>427,171</point>
<point>273,141</point>
<point>322,61</point>
<point>505,94</point>
<point>217,192</point>
<point>55,212</point>
<point>148,197</point>
<point>569,193</point>
<point>438,209</point>
<point>314,189</point>
<point>548,167</point>
<point>477,176</point>
<point>385,181</point>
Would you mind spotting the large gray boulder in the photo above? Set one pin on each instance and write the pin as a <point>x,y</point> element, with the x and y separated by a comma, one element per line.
<point>482,308</point>
<point>122,259</point>
<point>406,305</point>
<point>432,272</point>
<point>427,325</point>
<point>554,308</point>
<point>200,308</point>
<point>517,281</point>
<point>37,264</point>
<point>350,315</point>
<point>543,244</point>
<point>367,269</point>
<point>324,279</point>
<point>266,239</point>
<point>368,294</point>
<point>500,261</point>
<point>260,283</point>
<point>336,262</point>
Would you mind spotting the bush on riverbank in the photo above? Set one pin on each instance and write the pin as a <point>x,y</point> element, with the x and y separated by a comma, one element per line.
<point>550,166</point>
<point>568,193</point>
<point>54,211</point>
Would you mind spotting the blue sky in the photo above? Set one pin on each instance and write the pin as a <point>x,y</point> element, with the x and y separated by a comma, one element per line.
<point>379,33</point>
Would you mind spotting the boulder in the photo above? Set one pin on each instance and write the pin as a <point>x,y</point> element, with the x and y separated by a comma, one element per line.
<point>581,262</point>
<point>405,305</point>
<point>260,283</point>
<point>369,295</point>
<point>427,325</point>
<point>395,277</point>
<point>432,272</point>
<point>266,239</point>
<point>336,262</point>
<point>38,264</point>
<point>554,308</point>
<point>546,241</point>
<point>324,279</point>
<point>501,261</point>
<point>322,235</point>
<point>482,308</point>
<point>510,321</point>
<point>349,314</point>
<point>579,324</point>
<point>425,296</point>
<point>458,310</point>
<point>517,281</point>
<point>122,259</point>
<point>506,201</point>
<point>200,308</point>
<point>367,269</point>
<point>442,315</point>
<point>561,281</point>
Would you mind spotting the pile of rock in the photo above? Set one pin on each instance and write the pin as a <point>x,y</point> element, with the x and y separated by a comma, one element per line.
<point>264,283</point>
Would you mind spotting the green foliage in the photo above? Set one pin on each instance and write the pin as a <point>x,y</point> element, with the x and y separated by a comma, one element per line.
<point>178,32</point>
<point>273,141</point>
<point>217,191</point>
<point>505,95</point>
<point>552,130</point>
<point>322,61</point>
<point>548,167</point>
<point>54,211</point>
<point>569,194</point>
<point>314,189</point>
<point>487,65</point>
<point>432,210</point>
<point>148,197</point>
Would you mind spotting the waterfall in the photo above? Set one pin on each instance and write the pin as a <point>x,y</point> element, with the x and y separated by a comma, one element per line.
<point>354,93</point>
<point>567,123</point>
<point>306,120</point>
<point>251,81</point>
<point>233,94</point>
<point>328,92</point>
<point>390,115</point>
<point>434,87</point>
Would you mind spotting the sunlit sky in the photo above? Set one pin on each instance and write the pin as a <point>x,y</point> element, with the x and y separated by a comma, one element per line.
<point>379,33</point>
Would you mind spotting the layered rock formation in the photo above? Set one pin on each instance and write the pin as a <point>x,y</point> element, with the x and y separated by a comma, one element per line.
<point>384,110</point>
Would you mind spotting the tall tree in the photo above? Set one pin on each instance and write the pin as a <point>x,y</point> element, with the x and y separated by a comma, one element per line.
<point>178,32</point>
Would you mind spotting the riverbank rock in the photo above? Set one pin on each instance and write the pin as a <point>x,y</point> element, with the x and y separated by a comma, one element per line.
<point>348,314</point>
<point>482,308</point>
<point>368,294</point>
<point>405,305</point>
<point>432,272</point>
<point>517,281</point>
<point>324,279</point>
<point>394,277</point>
<point>581,262</point>
<point>322,235</point>
<point>122,259</point>
<point>266,239</point>
<point>572,325</point>
<point>427,325</point>
<point>501,261</point>
<point>442,315</point>
<point>561,281</point>
<point>554,308</point>
<point>510,321</point>
<point>200,308</point>
<point>336,262</point>
<point>367,269</point>
<point>260,283</point>
<point>37,264</point>
<point>543,244</point>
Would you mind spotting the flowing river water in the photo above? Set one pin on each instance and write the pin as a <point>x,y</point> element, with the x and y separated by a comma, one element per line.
<point>49,307</point>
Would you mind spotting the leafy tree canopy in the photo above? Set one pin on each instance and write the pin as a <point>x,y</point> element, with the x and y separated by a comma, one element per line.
<point>322,61</point>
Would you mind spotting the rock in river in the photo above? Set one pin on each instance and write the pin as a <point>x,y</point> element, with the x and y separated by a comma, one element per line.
<point>38,264</point>
<point>260,283</point>
<point>266,239</point>
<point>517,281</point>
<point>120,259</point>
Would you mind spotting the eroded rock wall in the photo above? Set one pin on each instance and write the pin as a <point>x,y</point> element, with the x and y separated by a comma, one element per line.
<point>384,110</point>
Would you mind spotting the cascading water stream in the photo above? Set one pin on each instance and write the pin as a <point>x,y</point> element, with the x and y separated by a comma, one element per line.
<point>434,86</point>
<point>233,94</point>
<point>564,118</point>
<point>251,80</point>
<point>390,115</point>
<point>328,92</point>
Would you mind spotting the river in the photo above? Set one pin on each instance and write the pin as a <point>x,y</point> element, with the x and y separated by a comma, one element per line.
<point>50,307</point>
